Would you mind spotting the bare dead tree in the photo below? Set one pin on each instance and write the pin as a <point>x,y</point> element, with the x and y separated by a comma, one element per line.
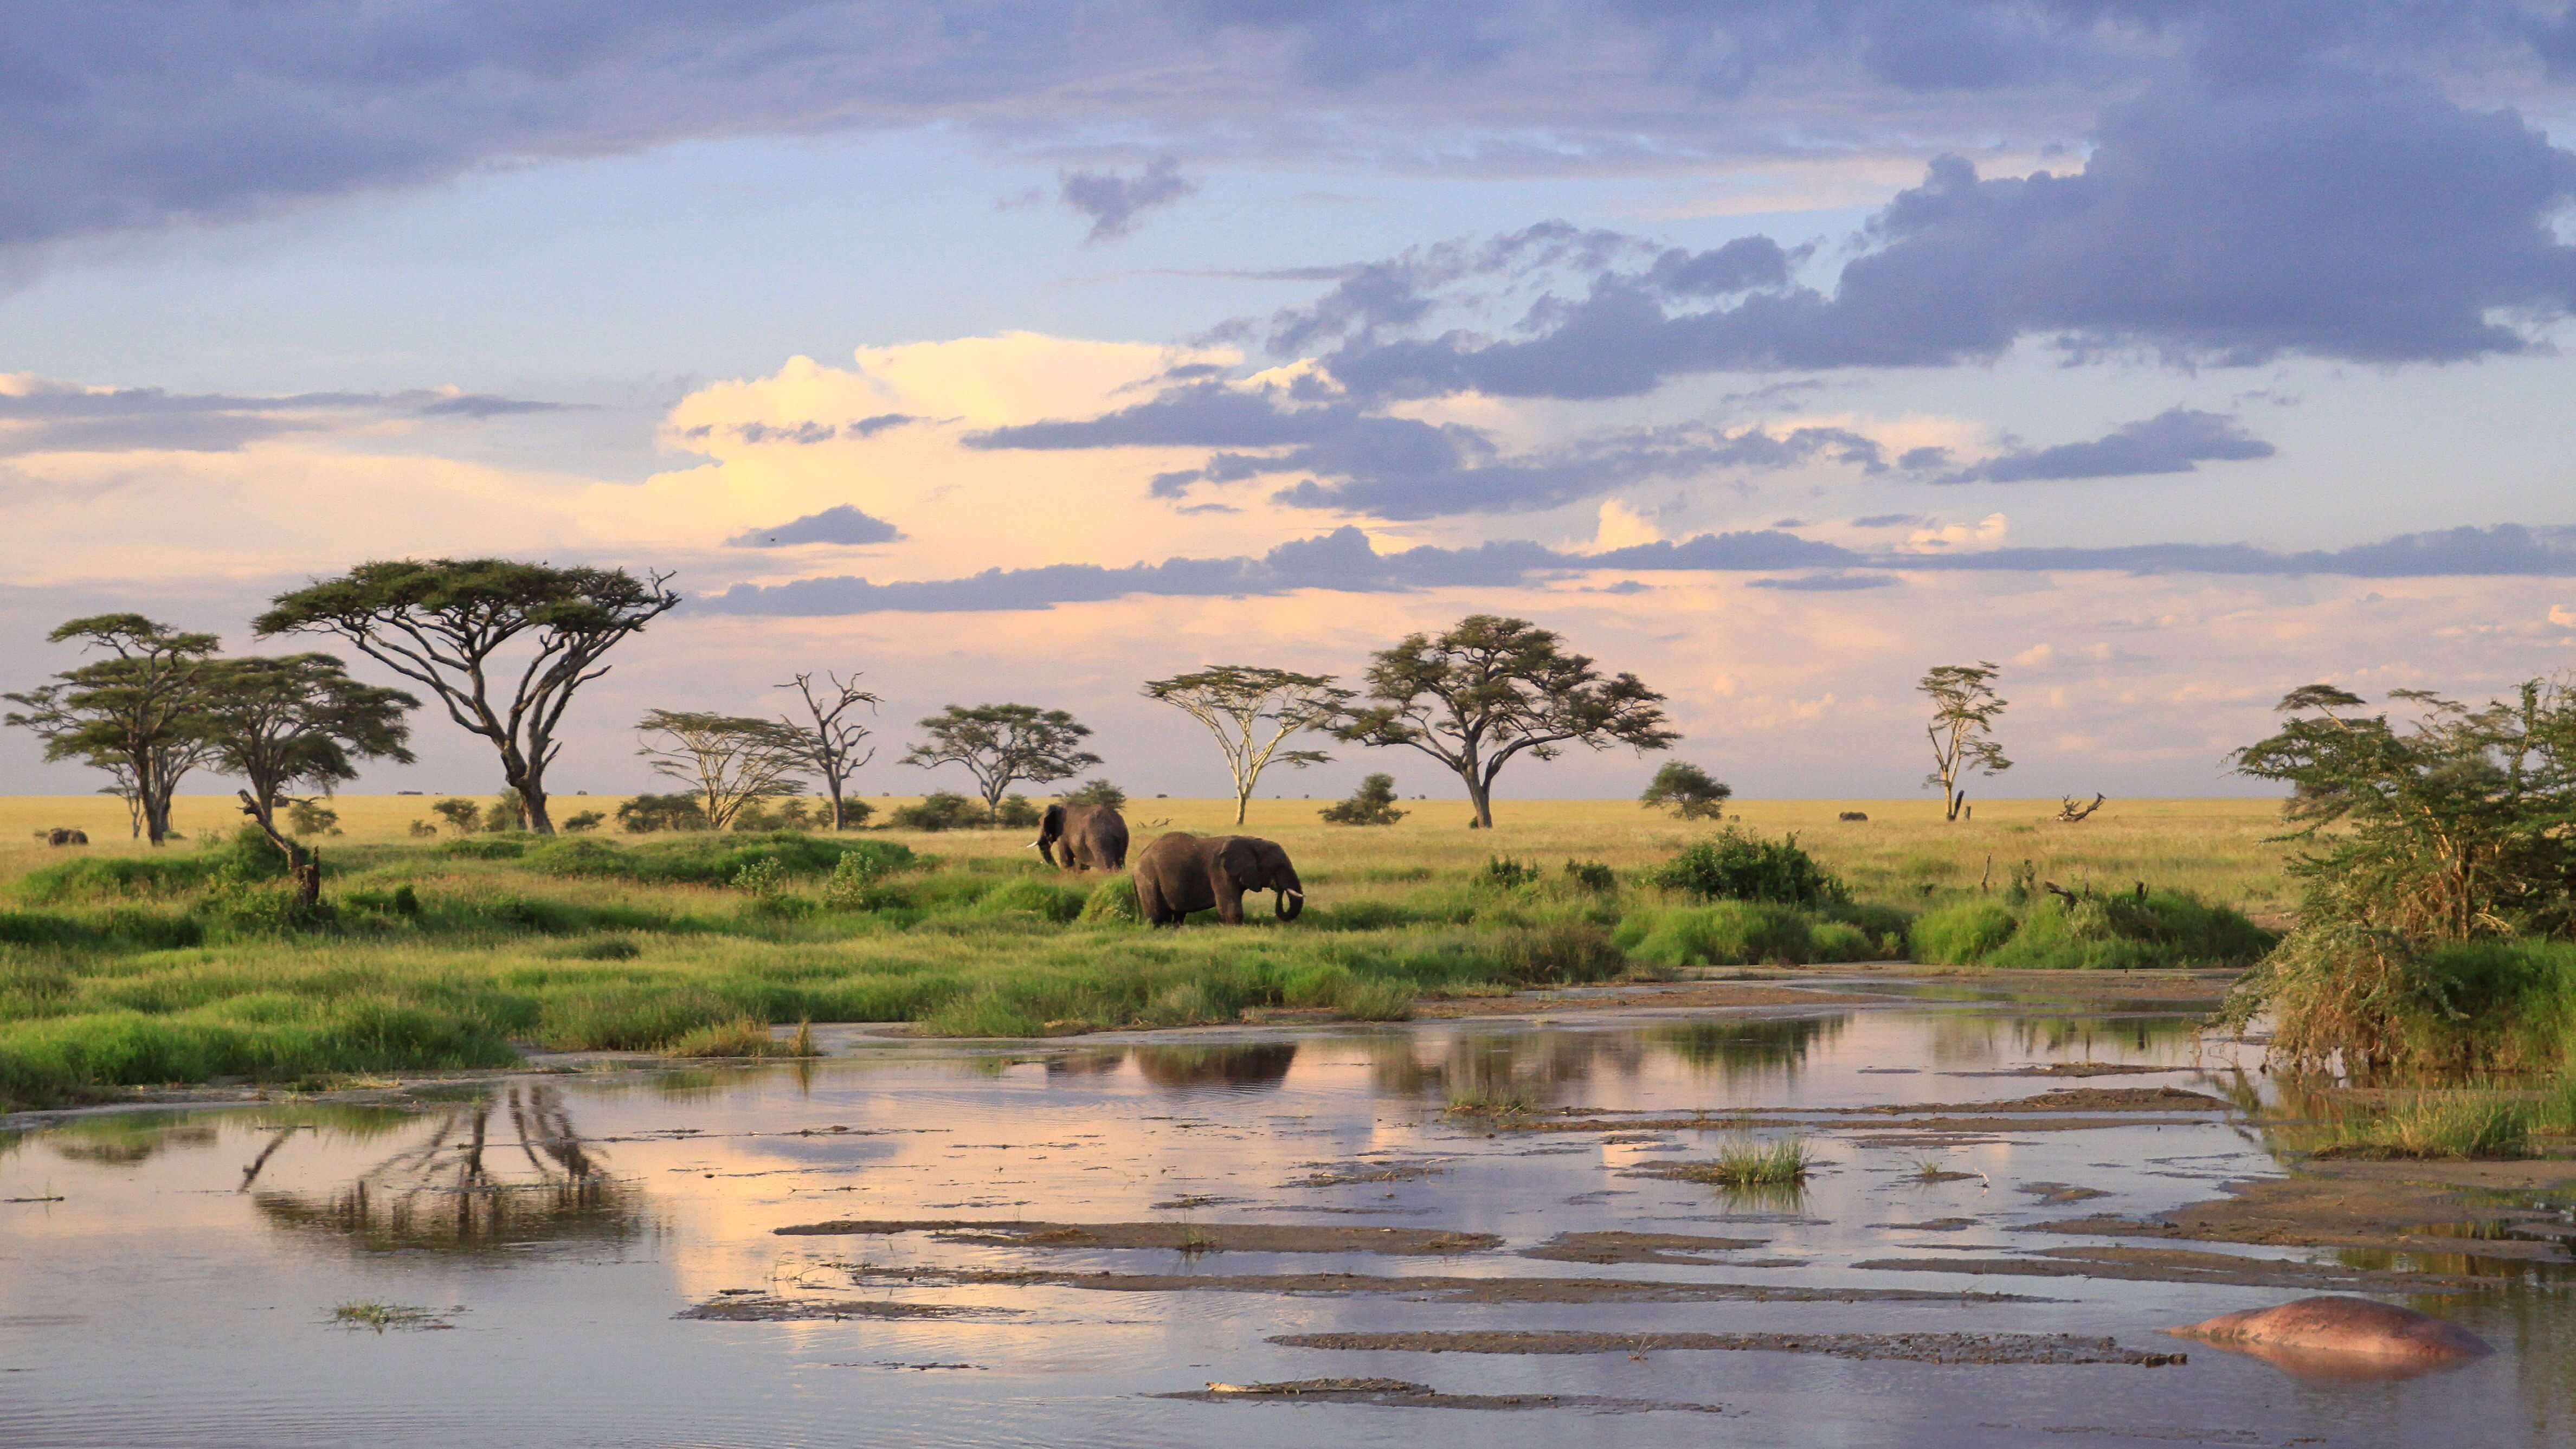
<point>2070,812</point>
<point>831,743</point>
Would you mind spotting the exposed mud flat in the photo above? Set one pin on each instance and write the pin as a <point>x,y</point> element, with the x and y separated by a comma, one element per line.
<point>2350,1203</point>
<point>2177,1265</point>
<point>2068,1109</point>
<point>1695,996</point>
<point>2079,1069</point>
<point>1944,1348</point>
<point>1405,1394</point>
<point>769,1308</point>
<point>1330,1175</point>
<point>1175,1237</point>
<point>1418,1287</point>
<point>1626,1247</point>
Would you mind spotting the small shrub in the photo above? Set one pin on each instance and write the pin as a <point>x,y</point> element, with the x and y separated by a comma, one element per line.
<point>1018,812</point>
<point>1376,1001</point>
<point>309,817</point>
<point>508,811</point>
<point>1736,866</point>
<point>741,1037</point>
<point>1592,875</point>
<point>646,814</point>
<point>422,828</point>
<point>1097,792</point>
<point>2462,1126</point>
<point>1113,902</point>
<point>485,849</point>
<point>1839,941</point>
<point>852,877</point>
<point>1373,803</point>
<point>464,816</point>
<point>1508,874</point>
<point>942,810</point>
<point>1748,1162</point>
<point>583,822</point>
<point>761,878</point>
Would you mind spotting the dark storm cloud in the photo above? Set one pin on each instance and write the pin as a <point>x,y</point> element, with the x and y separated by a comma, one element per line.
<point>1115,203</point>
<point>1345,561</point>
<point>53,417</point>
<point>841,524</point>
<point>2333,215</point>
<point>2176,441</point>
<point>133,113</point>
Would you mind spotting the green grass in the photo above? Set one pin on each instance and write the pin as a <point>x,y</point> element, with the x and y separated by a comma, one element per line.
<point>121,967</point>
<point>376,1314</point>
<point>1748,1162</point>
<point>2448,1125</point>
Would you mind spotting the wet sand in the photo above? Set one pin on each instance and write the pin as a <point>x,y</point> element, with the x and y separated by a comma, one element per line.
<point>1943,1348</point>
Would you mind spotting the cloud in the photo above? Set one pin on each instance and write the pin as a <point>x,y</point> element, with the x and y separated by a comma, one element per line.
<point>841,524</point>
<point>1399,468</point>
<point>2175,441</point>
<point>1892,520</point>
<point>1115,203</point>
<point>42,415</point>
<point>216,109</point>
<point>2331,214</point>
<point>1826,583</point>
<point>1344,560</point>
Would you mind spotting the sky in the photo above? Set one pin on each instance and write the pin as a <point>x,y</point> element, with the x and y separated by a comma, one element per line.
<point>2169,354</point>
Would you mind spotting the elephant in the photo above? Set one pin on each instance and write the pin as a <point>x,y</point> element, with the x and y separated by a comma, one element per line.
<point>1181,873</point>
<point>67,836</point>
<point>1093,836</point>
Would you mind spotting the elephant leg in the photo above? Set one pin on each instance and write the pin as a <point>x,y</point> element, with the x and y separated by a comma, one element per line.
<point>1229,907</point>
<point>1149,903</point>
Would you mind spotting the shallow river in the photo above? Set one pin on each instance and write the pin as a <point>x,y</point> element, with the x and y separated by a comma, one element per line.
<point>172,1277</point>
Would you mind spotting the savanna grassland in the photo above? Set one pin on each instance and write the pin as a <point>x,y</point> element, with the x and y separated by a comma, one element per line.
<point>121,966</point>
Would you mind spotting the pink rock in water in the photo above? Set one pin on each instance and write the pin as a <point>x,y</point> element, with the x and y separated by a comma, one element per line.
<point>2342,1336</point>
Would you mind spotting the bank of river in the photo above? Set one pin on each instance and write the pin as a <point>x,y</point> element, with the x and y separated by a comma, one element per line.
<point>1273,1235</point>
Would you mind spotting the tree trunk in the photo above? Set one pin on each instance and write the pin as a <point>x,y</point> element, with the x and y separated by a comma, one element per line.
<point>1481,795</point>
<point>835,788</point>
<point>532,802</point>
<point>1242,802</point>
<point>304,867</point>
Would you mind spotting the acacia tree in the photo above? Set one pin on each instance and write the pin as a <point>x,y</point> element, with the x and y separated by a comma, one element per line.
<point>445,624</point>
<point>138,714</point>
<point>1252,711</point>
<point>1002,743</point>
<point>1688,791</point>
<point>830,741</point>
<point>1492,688</point>
<point>727,760</point>
<point>1964,710</point>
<point>299,720</point>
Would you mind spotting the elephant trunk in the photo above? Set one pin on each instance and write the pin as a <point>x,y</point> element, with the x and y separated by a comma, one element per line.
<point>1288,905</point>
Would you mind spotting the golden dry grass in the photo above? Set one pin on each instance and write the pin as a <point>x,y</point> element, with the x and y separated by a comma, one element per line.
<point>2216,848</point>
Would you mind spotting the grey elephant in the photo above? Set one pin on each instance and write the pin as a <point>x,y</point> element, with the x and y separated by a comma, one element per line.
<point>1093,837</point>
<point>1180,873</point>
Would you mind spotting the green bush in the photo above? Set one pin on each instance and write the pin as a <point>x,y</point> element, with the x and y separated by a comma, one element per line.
<point>1113,902</point>
<point>485,849</point>
<point>1373,803</point>
<point>1726,933</point>
<point>1018,812</point>
<point>1592,875</point>
<point>1733,865</point>
<point>941,810</point>
<point>1839,941</point>
<point>646,814</point>
<point>1508,874</point>
<point>1962,933</point>
<point>710,859</point>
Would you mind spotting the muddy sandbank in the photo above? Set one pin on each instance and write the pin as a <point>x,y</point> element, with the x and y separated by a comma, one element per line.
<point>1421,1287</point>
<point>1177,1237</point>
<point>2179,1265</point>
<point>1405,1394</point>
<point>2394,1206</point>
<point>1625,1247</point>
<point>1945,1348</point>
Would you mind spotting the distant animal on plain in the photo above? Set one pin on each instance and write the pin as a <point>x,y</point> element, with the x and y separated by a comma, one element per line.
<point>1093,837</point>
<point>62,835</point>
<point>1853,815</point>
<point>1180,873</point>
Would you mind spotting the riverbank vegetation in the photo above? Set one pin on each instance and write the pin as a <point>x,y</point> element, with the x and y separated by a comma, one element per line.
<point>196,962</point>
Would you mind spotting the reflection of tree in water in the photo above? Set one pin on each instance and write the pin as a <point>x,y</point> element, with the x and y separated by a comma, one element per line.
<point>1087,1063</point>
<point>1497,1064</point>
<point>1979,1039</point>
<point>464,1187</point>
<point>124,1138</point>
<point>1738,1051</point>
<point>1258,1066</point>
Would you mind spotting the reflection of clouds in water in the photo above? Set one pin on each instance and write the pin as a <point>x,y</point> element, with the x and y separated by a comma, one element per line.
<point>1540,1064</point>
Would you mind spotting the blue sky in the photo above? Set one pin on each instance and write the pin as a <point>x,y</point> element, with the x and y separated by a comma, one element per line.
<point>2173,354</point>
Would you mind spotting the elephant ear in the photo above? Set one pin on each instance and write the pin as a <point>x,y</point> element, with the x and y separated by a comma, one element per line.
<point>1242,861</point>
